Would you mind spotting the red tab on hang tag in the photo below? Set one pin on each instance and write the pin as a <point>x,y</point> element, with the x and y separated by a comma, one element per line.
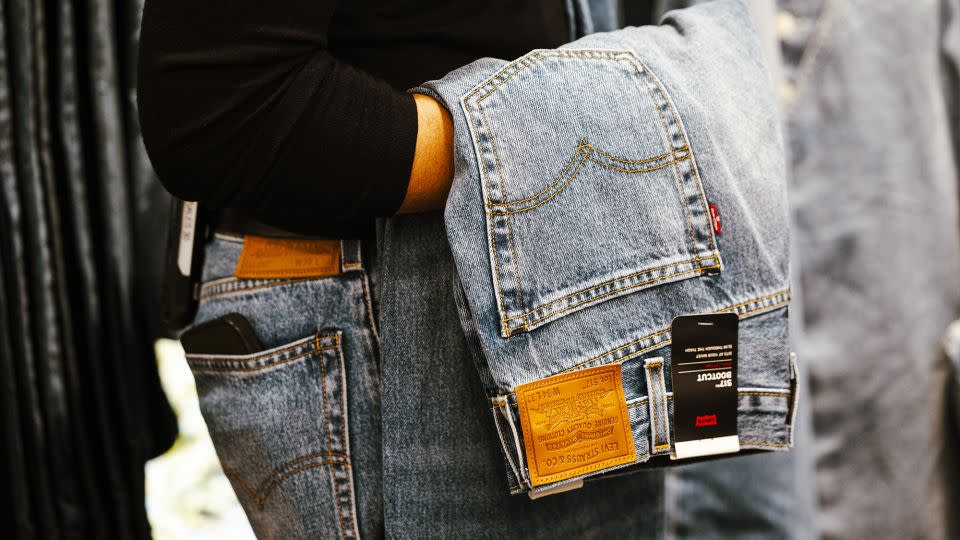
<point>715,219</point>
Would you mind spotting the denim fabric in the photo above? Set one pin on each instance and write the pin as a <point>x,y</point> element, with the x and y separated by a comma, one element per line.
<point>874,201</point>
<point>578,215</point>
<point>764,496</point>
<point>443,472</point>
<point>297,426</point>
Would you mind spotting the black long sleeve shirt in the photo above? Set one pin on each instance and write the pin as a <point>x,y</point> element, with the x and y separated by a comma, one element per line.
<point>294,111</point>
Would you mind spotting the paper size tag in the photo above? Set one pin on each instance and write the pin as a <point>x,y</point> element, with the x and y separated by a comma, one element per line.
<point>575,423</point>
<point>188,229</point>
<point>264,257</point>
<point>704,374</point>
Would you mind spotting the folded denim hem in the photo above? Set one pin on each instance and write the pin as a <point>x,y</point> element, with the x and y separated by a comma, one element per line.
<point>765,412</point>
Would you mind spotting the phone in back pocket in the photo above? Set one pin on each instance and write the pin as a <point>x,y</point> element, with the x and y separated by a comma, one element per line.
<point>229,334</point>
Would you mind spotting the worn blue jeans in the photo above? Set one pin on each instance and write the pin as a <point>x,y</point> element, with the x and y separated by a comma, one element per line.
<point>579,221</point>
<point>321,441</point>
<point>617,242</point>
<point>296,427</point>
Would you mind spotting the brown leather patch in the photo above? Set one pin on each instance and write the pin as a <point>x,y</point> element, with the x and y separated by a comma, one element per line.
<point>575,423</point>
<point>264,257</point>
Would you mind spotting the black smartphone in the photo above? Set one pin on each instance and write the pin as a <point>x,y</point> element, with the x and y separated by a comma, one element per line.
<point>230,334</point>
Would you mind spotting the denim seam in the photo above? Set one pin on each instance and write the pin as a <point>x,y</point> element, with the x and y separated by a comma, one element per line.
<point>585,155</point>
<point>613,281</point>
<point>344,435</point>
<point>682,134</point>
<point>655,389</point>
<point>502,406</point>
<point>368,307</point>
<point>326,432</point>
<point>530,323</point>
<point>636,64</point>
<point>665,342</point>
<point>281,473</point>
<point>495,266</point>
<point>220,363</point>
<point>677,176</point>
<point>229,285</point>
<point>509,220</point>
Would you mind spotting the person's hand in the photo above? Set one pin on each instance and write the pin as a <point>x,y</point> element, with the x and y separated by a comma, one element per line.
<point>432,170</point>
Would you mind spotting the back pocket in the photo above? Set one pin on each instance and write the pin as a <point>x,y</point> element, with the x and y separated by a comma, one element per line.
<point>278,420</point>
<point>589,182</point>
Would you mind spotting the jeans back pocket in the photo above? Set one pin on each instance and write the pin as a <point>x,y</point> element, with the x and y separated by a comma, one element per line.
<point>602,199</point>
<point>278,420</point>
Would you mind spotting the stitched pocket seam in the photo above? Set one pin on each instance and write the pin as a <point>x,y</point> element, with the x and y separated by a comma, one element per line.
<point>498,218</point>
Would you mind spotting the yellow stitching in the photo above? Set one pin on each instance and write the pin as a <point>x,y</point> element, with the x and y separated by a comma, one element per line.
<point>503,194</point>
<point>262,497</point>
<point>683,131</point>
<point>611,281</point>
<point>580,153</point>
<point>536,58</point>
<point>269,482</point>
<point>541,55</point>
<point>239,289</point>
<point>604,295</point>
<point>343,404</point>
<point>563,174</point>
<point>573,175</point>
<point>326,431</point>
<point>552,195</point>
<point>300,343</point>
<point>493,241</point>
<point>637,161</point>
<point>755,300</point>
<point>368,308</point>
<point>250,368</point>
<point>677,177</point>
<point>646,169</point>
<point>665,342</point>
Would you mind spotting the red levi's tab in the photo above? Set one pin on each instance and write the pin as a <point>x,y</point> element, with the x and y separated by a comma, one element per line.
<point>715,219</point>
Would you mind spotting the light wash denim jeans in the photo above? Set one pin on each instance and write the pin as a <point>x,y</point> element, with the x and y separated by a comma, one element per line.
<point>296,427</point>
<point>870,95</point>
<point>578,218</point>
<point>305,462</point>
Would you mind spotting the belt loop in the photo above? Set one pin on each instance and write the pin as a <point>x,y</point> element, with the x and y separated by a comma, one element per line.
<point>350,254</point>
<point>657,402</point>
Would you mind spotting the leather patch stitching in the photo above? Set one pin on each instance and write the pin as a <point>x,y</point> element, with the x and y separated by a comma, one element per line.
<point>264,257</point>
<point>575,423</point>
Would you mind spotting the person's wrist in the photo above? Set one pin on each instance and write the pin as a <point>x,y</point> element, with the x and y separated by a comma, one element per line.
<point>432,171</point>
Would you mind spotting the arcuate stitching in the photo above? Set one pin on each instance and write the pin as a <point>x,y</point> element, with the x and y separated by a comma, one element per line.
<point>641,69</point>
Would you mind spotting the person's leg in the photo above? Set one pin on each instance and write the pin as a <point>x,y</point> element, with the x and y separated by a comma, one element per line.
<point>443,468</point>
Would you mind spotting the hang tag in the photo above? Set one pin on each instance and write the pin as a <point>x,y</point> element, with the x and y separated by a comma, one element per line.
<point>704,375</point>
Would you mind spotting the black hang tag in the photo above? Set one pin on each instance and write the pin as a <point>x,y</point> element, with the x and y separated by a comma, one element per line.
<point>704,375</point>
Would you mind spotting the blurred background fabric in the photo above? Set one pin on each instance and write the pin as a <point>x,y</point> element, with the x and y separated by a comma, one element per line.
<point>82,228</point>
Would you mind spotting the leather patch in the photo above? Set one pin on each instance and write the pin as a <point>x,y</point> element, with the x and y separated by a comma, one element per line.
<point>264,257</point>
<point>575,423</point>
